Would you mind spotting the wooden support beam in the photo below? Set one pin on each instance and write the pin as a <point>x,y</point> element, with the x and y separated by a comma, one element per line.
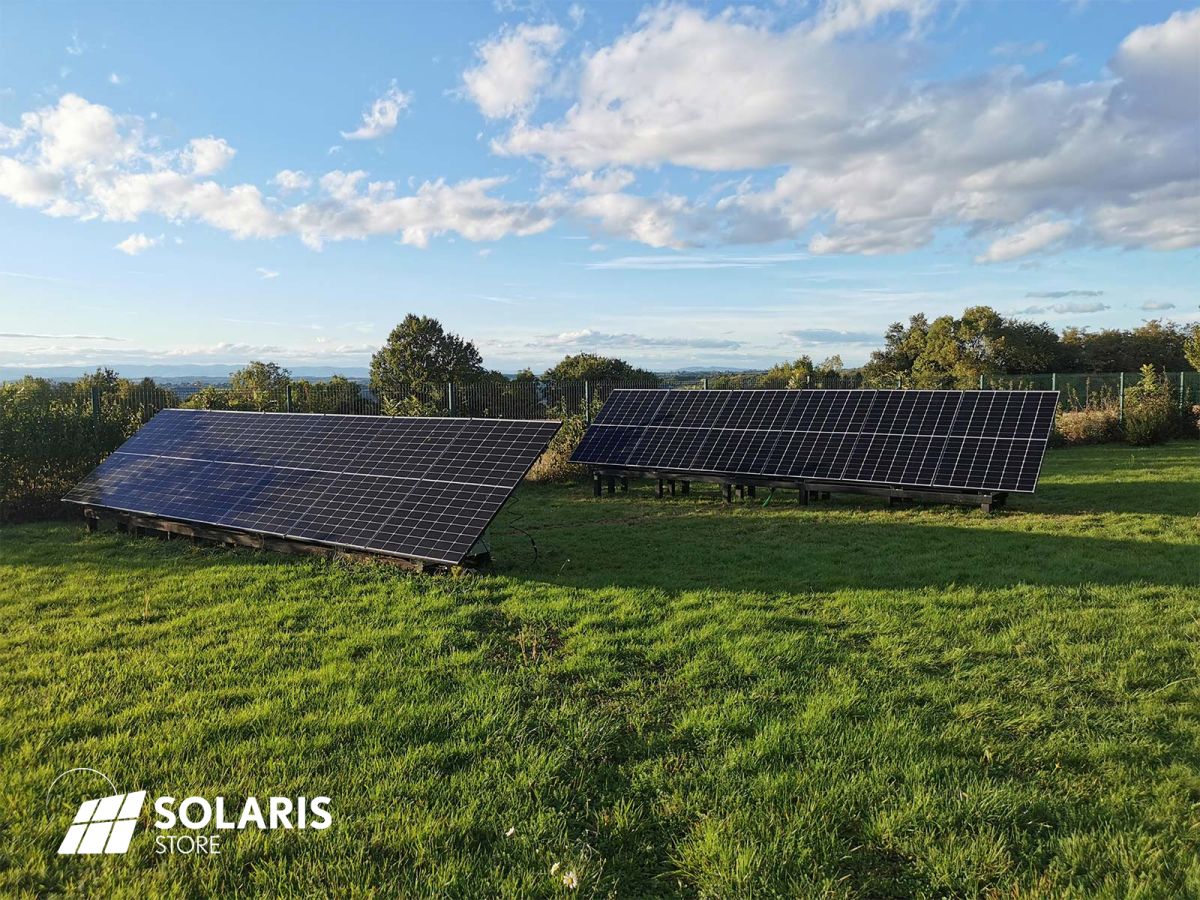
<point>660,489</point>
<point>671,485</point>
<point>595,484</point>
<point>728,492</point>
<point>612,484</point>
<point>624,484</point>
<point>741,492</point>
<point>687,486</point>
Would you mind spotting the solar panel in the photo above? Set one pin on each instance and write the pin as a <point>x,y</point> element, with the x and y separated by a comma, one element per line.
<point>423,488</point>
<point>934,440</point>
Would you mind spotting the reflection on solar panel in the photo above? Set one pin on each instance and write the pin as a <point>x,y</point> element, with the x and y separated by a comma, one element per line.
<point>977,441</point>
<point>421,488</point>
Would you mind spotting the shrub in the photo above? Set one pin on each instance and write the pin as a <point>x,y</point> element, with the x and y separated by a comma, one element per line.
<point>1097,424</point>
<point>1149,410</point>
<point>555,464</point>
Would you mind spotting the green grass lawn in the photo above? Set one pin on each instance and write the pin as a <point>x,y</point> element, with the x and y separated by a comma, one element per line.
<point>677,698</point>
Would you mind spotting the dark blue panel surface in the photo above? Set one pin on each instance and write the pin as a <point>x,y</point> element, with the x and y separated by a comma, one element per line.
<point>966,440</point>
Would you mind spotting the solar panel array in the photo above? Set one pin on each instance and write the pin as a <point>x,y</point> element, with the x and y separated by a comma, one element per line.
<point>938,440</point>
<point>424,488</point>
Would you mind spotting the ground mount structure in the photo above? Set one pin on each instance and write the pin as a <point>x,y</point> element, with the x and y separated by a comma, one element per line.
<point>419,490</point>
<point>972,447</point>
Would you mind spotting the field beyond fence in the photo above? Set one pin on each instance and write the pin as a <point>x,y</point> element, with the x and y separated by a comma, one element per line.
<point>53,433</point>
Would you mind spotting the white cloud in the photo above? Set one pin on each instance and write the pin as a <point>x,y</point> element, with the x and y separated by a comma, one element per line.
<point>606,182</point>
<point>266,274</point>
<point>207,156</point>
<point>840,16</point>
<point>291,180</point>
<point>822,336</point>
<point>1059,295</point>
<point>588,339</point>
<point>138,243</point>
<point>1064,309</point>
<point>1157,305</point>
<point>382,117</point>
<point>115,79</point>
<point>78,159</point>
<point>1037,236</point>
<point>878,159</point>
<point>513,67</point>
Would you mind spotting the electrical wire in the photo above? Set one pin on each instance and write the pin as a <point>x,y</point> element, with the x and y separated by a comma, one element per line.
<point>513,501</point>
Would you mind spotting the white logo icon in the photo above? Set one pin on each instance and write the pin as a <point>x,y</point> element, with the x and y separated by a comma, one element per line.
<point>105,825</point>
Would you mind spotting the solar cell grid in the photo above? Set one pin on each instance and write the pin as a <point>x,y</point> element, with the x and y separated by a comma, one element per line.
<point>350,481</point>
<point>961,440</point>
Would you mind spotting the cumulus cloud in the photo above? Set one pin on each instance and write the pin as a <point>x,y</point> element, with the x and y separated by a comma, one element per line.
<point>291,180</point>
<point>876,158</point>
<point>1154,305</point>
<point>513,67</point>
<point>78,159</point>
<point>819,336</point>
<point>1063,309</point>
<point>1024,241</point>
<point>1059,295</point>
<point>207,156</point>
<point>138,243</point>
<point>383,115</point>
<point>589,339</point>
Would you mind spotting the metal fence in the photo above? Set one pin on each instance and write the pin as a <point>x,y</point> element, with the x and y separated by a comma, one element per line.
<point>52,434</point>
<point>523,399</point>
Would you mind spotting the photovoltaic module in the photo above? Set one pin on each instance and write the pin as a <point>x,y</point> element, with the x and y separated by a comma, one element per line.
<point>420,488</point>
<point>935,440</point>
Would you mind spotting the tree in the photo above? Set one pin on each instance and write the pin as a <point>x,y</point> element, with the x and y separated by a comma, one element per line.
<point>901,349</point>
<point>1191,348</point>
<point>419,354</point>
<point>263,385</point>
<point>597,368</point>
<point>795,374</point>
<point>1029,347</point>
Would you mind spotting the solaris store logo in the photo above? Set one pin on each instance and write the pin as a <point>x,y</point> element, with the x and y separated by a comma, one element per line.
<point>107,824</point>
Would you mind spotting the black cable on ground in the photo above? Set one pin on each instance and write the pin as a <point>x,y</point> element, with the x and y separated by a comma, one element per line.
<point>513,501</point>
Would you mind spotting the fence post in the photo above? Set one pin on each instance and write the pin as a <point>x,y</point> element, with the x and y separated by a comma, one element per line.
<point>587,402</point>
<point>1121,397</point>
<point>450,398</point>
<point>1054,381</point>
<point>96,422</point>
<point>981,381</point>
<point>287,398</point>
<point>1181,390</point>
<point>704,382</point>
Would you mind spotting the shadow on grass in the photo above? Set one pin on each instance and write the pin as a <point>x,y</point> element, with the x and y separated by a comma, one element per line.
<point>779,554</point>
<point>1155,498</point>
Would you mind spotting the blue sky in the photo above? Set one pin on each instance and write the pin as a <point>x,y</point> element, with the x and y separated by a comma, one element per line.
<point>677,185</point>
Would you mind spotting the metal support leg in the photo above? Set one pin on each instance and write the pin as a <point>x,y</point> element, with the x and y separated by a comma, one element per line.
<point>671,485</point>
<point>803,495</point>
<point>595,484</point>
<point>728,493</point>
<point>660,488</point>
<point>741,492</point>
<point>612,484</point>
<point>624,484</point>
<point>687,487</point>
